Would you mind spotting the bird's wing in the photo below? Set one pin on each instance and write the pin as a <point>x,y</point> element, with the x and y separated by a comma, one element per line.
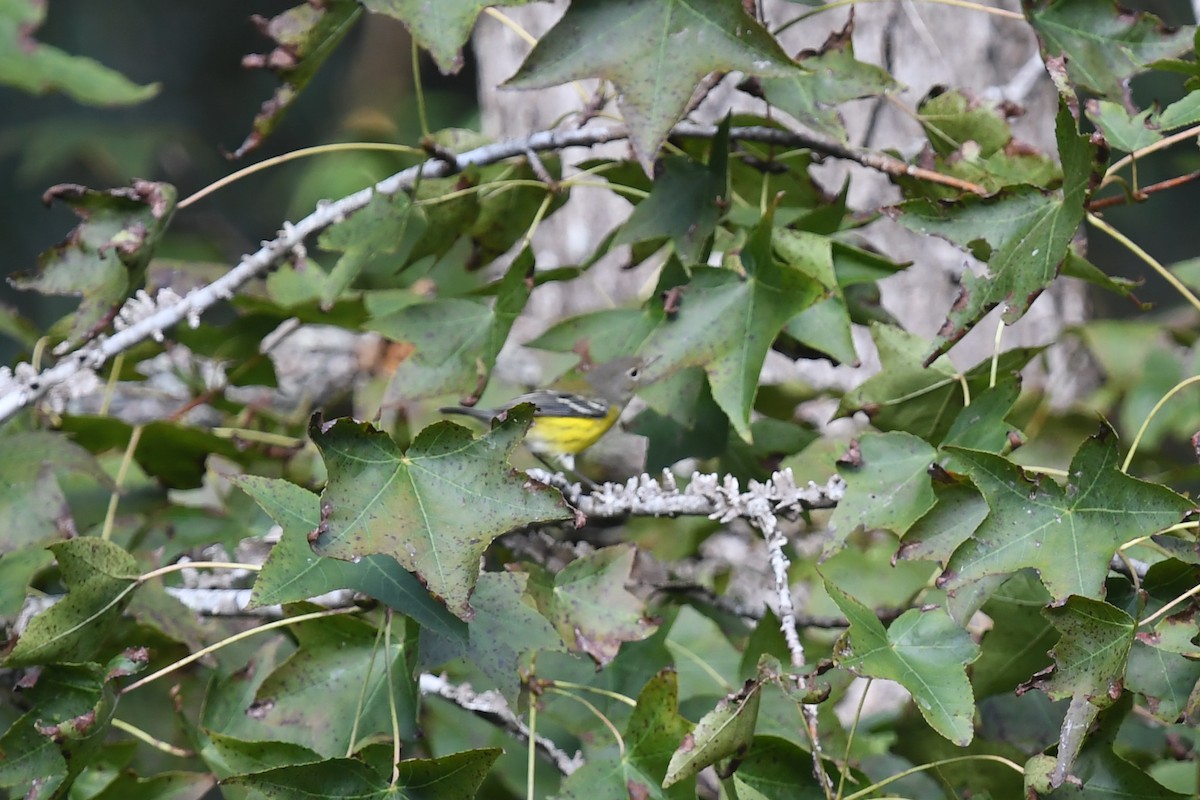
<point>550,403</point>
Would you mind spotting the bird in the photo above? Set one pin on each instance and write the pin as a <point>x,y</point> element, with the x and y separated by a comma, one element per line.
<point>565,423</point>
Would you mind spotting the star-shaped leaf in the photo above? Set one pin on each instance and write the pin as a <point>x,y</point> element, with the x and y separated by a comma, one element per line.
<point>1089,668</point>
<point>726,320</point>
<point>442,27</point>
<point>829,77</point>
<point>1023,234</point>
<point>293,572</point>
<point>384,225</point>
<point>1121,131</point>
<point>435,507</point>
<point>1067,533</point>
<point>653,732</point>
<point>304,35</point>
<point>1104,44</point>
<point>725,731</point>
<point>925,652</point>
<point>887,485</point>
<point>37,68</point>
<point>310,697</point>
<point>589,605</point>
<point>106,254</point>
<point>505,629</point>
<point>655,52</point>
<point>99,576</point>
<point>455,340</point>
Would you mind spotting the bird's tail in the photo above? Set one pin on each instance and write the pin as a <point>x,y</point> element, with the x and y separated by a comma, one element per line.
<point>484,414</point>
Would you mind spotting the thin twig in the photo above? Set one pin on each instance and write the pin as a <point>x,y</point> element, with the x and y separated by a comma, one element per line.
<point>1144,193</point>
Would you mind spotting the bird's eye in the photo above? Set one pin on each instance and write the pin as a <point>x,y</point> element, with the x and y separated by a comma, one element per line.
<point>634,373</point>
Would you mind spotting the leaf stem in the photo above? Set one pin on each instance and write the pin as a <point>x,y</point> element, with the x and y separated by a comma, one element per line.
<point>1110,174</point>
<point>1183,384</point>
<point>1152,262</point>
<point>110,515</point>
<point>1192,592</point>
<point>157,744</point>
<point>583,687</point>
<point>599,715</point>
<point>845,766</point>
<point>279,623</point>
<point>303,152</point>
<point>362,695</point>
<point>914,770</point>
<point>997,12</point>
<point>387,665</point>
<point>418,91</point>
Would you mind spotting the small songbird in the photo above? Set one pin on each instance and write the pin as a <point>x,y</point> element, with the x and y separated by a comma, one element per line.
<point>565,423</point>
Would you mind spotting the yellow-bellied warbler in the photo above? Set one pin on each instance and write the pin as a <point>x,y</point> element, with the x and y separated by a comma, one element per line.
<point>566,423</point>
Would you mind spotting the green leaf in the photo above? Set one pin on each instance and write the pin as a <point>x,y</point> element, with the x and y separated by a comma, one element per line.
<point>831,76</point>
<point>825,325</point>
<point>227,755</point>
<point>435,507</point>
<point>1104,45</point>
<point>175,453</point>
<point>590,606</point>
<point>655,52</point>
<point>725,731</point>
<point>455,341</point>
<point>1158,670</point>
<point>1089,667</point>
<point>653,732</point>
<point>684,204</point>
<point>1068,533</point>
<point>384,225</point>
<point>506,628</point>
<point>776,769</point>
<point>173,785</point>
<point>1120,130</point>
<point>305,36</point>
<point>951,119</point>
<point>934,537</point>
<point>293,572</point>
<point>925,652</point>
<point>1181,113</point>
<point>982,425</point>
<point>335,777</point>
<point>310,699</point>
<point>1018,645</point>
<point>17,569</point>
<point>922,400</point>
<point>442,28</point>
<point>36,68</point>
<point>99,576</point>
<point>106,254</point>
<point>887,485</point>
<point>726,321</point>
<point>30,759</point>
<point>33,508</point>
<point>1023,234</point>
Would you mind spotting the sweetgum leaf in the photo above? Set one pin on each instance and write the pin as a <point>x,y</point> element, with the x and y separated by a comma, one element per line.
<point>1022,233</point>
<point>925,652</point>
<point>36,68</point>
<point>442,27</point>
<point>1104,44</point>
<point>684,203</point>
<point>725,731</point>
<point>384,225</point>
<point>293,572</point>
<point>174,785</point>
<point>590,606</point>
<point>887,486</point>
<point>655,52</point>
<point>308,699</point>
<point>435,507</point>
<point>934,537</point>
<point>334,777</point>
<point>1067,533</point>
<point>305,35</point>
<point>726,321</point>
<point>1089,668</point>
<point>1121,131</point>
<point>99,576</point>
<point>33,508</point>
<point>653,732</point>
<point>105,256</point>
<point>831,76</point>
<point>505,629</point>
<point>455,340</point>
<point>1018,645</point>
